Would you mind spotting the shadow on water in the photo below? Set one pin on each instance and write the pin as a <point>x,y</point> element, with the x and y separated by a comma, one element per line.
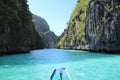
<point>51,56</point>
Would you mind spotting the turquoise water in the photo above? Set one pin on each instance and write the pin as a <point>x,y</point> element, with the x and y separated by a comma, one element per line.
<point>39,64</point>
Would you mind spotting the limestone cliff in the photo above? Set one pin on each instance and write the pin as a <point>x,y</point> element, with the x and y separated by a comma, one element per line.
<point>17,33</point>
<point>103,25</point>
<point>94,25</point>
<point>42,27</point>
<point>40,24</point>
<point>74,36</point>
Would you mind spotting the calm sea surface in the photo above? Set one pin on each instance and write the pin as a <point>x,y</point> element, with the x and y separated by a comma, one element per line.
<point>38,64</point>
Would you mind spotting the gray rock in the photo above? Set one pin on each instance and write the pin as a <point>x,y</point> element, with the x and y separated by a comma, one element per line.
<point>102,25</point>
<point>40,24</point>
<point>42,27</point>
<point>50,39</point>
<point>101,29</point>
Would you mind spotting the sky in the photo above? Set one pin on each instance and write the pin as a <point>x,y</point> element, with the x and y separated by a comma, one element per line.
<point>56,12</point>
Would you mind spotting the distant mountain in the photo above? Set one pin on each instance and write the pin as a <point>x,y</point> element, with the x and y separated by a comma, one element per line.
<point>94,25</point>
<point>40,24</point>
<point>17,33</point>
<point>42,27</point>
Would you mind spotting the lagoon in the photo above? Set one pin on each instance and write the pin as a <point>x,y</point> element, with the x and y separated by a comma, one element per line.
<point>38,64</point>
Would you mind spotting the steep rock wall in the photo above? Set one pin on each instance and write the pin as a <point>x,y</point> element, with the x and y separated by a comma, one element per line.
<point>103,25</point>
<point>74,36</point>
<point>94,26</point>
<point>17,33</point>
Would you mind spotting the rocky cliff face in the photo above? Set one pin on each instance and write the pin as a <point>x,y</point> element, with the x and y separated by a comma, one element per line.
<point>50,39</point>
<point>103,25</point>
<point>74,36</point>
<point>40,24</point>
<point>93,26</point>
<point>42,27</point>
<point>17,33</point>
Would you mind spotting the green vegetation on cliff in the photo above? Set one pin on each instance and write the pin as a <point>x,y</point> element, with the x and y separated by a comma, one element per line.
<point>75,31</point>
<point>17,33</point>
<point>79,12</point>
<point>94,25</point>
